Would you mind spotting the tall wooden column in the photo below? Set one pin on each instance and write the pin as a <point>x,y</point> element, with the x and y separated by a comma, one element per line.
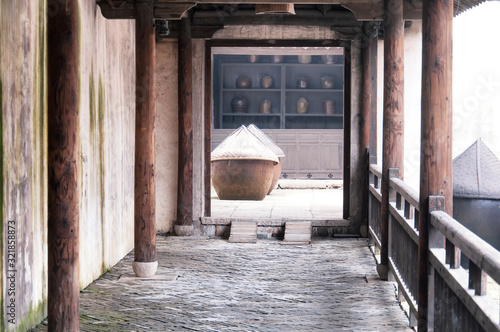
<point>373,45</point>
<point>347,134</point>
<point>145,262</point>
<point>63,156</point>
<point>208,133</point>
<point>368,62</point>
<point>393,121</point>
<point>436,165</point>
<point>184,222</point>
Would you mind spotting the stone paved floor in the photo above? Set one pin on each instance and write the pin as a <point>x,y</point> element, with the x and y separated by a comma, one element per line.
<point>328,285</point>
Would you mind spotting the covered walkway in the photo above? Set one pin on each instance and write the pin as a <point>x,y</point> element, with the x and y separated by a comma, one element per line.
<point>211,285</point>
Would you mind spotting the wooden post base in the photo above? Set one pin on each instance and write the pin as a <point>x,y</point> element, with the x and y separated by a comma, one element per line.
<point>145,269</point>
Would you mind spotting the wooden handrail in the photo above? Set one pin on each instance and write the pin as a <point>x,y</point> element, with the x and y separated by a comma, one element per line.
<point>376,170</point>
<point>406,191</point>
<point>476,249</point>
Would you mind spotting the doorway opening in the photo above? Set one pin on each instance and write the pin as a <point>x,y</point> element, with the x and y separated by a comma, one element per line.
<point>303,90</point>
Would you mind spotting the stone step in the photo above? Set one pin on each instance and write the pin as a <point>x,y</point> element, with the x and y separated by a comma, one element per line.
<point>243,232</point>
<point>297,232</point>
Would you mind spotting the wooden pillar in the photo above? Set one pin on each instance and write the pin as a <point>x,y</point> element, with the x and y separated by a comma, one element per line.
<point>145,263</point>
<point>63,159</point>
<point>347,134</point>
<point>365,124</point>
<point>373,45</point>
<point>393,122</point>
<point>208,132</point>
<point>184,222</point>
<point>436,165</point>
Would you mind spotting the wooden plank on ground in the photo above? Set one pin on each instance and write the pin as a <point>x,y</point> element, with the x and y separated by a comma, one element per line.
<point>243,232</point>
<point>297,232</point>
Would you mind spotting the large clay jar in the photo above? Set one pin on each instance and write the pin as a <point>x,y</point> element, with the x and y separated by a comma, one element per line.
<point>266,82</point>
<point>302,105</point>
<point>241,179</point>
<point>243,82</point>
<point>239,104</point>
<point>327,82</point>
<point>276,176</point>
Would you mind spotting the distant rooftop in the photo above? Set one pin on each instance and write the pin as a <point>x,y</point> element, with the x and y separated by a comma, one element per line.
<point>476,173</point>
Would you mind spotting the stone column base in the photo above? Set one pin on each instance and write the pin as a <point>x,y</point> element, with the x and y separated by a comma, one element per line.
<point>144,269</point>
<point>184,230</point>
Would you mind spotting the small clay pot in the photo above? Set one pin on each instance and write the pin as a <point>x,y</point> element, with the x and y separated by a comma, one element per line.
<point>266,82</point>
<point>239,104</point>
<point>243,82</point>
<point>328,59</point>
<point>302,83</point>
<point>327,82</point>
<point>277,58</point>
<point>302,105</point>
<point>253,58</point>
<point>304,58</point>
<point>265,106</point>
<point>329,107</point>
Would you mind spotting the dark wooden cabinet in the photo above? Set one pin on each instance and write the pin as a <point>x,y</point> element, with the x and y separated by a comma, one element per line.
<point>284,93</point>
<point>312,140</point>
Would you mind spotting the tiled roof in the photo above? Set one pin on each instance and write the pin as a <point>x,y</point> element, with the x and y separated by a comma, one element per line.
<point>476,173</point>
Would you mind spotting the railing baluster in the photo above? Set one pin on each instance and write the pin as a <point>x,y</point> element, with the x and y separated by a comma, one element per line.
<point>452,255</point>
<point>477,279</point>
<point>398,200</point>
<point>408,210</point>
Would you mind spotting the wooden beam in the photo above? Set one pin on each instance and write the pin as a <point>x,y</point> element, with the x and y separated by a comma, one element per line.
<point>347,134</point>
<point>393,119</point>
<point>144,187</point>
<point>63,160</point>
<point>208,132</point>
<point>364,10</point>
<point>185,149</point>
<point>436,167</point>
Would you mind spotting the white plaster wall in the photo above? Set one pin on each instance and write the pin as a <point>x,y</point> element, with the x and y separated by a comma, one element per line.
<point>107,124</point>
<point>166,139</point>
<point>412,101</point>
<point>106,147</point>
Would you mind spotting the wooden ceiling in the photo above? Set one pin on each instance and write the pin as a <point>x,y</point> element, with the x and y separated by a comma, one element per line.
<point>345,17</point>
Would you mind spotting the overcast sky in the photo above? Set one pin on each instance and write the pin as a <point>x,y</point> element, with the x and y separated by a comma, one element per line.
<point>476,77</point>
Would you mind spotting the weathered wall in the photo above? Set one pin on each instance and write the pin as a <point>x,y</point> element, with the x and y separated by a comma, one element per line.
<point>166,134</point>
<point>107,80</point>
<point>412,96</point>
<point>167,131</point>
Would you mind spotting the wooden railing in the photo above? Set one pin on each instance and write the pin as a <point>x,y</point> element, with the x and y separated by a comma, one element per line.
<point>457,298</point>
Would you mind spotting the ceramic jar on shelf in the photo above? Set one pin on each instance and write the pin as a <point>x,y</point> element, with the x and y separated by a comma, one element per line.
<point>329,107</point>
<point>327,82</point>
<point>302,83</point>
<point>265,106</point>
<point>243,82</point>
<point>302,105</point>
<point>239,104</point>
<point>266,82</point>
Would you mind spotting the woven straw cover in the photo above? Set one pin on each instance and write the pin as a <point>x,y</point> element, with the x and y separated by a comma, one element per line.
<point>266,140</point>
<point>242,144</point>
